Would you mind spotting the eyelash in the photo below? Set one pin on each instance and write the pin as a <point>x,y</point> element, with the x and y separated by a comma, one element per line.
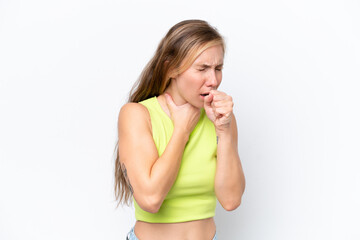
<point>204,69</point>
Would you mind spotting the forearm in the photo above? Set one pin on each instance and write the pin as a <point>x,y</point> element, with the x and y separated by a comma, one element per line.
<point>229,178</point>
<point>164,171</point>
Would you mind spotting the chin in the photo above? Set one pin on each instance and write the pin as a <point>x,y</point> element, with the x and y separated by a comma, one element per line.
<point>198,104</point>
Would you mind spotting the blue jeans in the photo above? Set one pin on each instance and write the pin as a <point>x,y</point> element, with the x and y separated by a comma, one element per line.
<point>131,235</point>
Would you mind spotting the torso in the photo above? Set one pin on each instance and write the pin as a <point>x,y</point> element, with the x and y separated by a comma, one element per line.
<point>203,229</point>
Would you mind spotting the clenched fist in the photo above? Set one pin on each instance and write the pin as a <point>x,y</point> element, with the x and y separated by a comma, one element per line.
<point>219,109</point>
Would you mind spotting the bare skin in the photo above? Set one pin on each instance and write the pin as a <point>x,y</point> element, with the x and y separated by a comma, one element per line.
<point>203,229</point>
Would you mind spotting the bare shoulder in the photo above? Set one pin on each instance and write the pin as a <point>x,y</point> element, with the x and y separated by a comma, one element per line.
<point>134,114</point>
<point>135,132</point>
<point>133,109</point>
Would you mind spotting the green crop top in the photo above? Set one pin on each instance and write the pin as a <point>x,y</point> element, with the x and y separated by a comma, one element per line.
<point>192,196</point>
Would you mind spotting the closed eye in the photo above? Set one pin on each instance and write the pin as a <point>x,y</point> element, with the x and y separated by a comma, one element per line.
<point>203,69</point>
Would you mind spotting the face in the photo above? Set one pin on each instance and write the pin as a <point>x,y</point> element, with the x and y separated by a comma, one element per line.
<point>202,76</point>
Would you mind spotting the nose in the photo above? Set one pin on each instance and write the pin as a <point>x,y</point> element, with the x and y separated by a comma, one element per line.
<point>212,80</point>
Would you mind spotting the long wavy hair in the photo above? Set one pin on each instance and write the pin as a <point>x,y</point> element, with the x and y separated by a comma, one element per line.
<point>176,52</point>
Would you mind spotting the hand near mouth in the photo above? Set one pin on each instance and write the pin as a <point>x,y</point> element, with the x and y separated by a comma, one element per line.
<point>218,107</point>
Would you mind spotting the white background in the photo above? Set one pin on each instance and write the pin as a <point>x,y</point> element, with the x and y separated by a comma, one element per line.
<point>292,68</point>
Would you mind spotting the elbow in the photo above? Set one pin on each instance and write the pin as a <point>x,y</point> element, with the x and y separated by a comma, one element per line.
<point>151,204</point>
<point>151,208</point>
<point>232,201</point>
<point>231,205</point>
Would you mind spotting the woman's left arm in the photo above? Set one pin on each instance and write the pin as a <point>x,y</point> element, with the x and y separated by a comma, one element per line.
<point>229,178</point>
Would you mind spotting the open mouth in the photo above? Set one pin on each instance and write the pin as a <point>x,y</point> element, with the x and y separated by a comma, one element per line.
<point>205,94</point>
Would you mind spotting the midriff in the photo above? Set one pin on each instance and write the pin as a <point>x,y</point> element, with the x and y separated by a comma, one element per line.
<point>203,229</point>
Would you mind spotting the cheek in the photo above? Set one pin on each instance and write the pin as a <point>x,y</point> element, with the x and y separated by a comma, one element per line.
<point>192,83</point>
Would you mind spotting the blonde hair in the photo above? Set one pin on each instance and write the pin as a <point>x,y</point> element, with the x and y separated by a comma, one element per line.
<point>176,52</point>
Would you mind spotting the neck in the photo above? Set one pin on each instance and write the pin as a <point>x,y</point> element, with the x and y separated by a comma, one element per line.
<point>173,92</point>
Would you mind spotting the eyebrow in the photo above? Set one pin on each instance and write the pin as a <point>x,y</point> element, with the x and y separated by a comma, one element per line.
<point>207,65</point>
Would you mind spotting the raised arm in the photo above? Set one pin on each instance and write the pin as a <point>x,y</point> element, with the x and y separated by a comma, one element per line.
<point>229,178</point>
<point>150,176</point>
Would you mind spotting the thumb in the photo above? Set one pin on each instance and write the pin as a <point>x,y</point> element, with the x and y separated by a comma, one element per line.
<point>207,101</point>
<point>169,101</point>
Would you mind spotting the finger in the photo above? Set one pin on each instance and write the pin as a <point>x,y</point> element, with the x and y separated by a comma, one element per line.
<point>228,115</point>
<point>215,110</point>
<point>223,104</point>
<point>216,92</point>
<point>169,101</point>
<point>220,96</point>
<point>223,111</point>
<point>208,100</point>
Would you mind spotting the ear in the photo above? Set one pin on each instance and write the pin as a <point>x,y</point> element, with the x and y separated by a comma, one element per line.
<point>173,75</point>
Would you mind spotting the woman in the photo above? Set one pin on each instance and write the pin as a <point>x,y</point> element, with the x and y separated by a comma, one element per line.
<point>177,149</point>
